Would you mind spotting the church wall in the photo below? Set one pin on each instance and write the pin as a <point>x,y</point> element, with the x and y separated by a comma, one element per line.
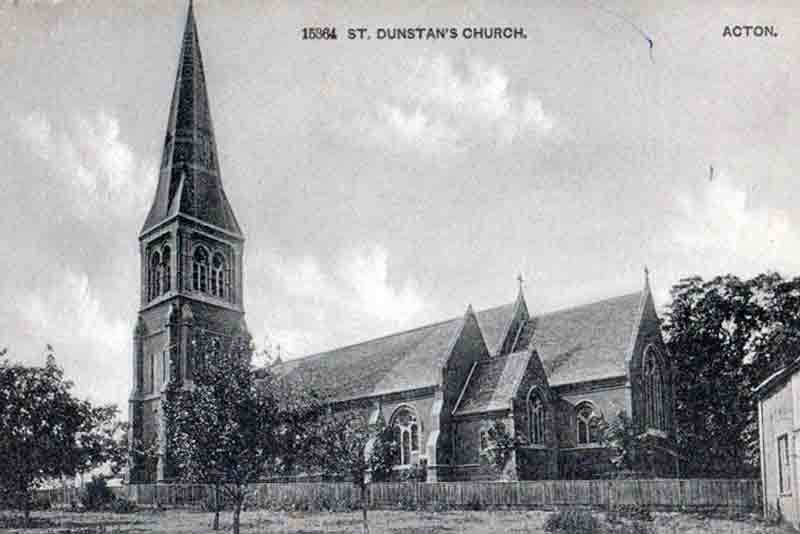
<point>650,334</point>
<point>422,407</point>
<point>608,400</point>
<point>538,461</point>
<point>468,349</point>
<point>466,442</point>
<point>535,463</point>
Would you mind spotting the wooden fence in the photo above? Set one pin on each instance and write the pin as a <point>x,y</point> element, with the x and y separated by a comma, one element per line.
<point>657,494</point>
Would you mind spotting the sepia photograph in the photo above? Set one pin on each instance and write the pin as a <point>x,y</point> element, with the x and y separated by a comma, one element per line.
<point>399,268</point>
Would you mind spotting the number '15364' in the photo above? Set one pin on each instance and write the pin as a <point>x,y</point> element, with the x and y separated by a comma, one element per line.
<point>319,33</point>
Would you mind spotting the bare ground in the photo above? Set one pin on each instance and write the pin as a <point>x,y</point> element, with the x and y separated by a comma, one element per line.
<point>381,522</point>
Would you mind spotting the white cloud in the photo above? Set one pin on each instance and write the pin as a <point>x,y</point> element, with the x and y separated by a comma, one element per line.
<point>91,158</point>
<point>721,225</point>
<point>439,107</point>
<point>355,290</point>
<point>90,344</point>
<point>365,272</point>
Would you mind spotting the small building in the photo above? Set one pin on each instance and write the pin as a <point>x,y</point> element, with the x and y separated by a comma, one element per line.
<point>779,441</point>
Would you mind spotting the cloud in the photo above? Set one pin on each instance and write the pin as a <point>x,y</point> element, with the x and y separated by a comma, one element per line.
<point>93,161</point>
<point>721,224</point>
<point>89,343</point>
<point>439,107</point>
<point>355,292</point>
<point>365,272</point>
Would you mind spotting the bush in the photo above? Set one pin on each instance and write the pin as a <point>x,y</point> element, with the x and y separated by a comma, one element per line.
<point>97,495</point>
<point>123,506</point>
<point>635,512</point>
<point>572,522</point>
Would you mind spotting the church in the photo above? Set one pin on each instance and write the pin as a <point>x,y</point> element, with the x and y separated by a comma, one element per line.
<point>549,378</point>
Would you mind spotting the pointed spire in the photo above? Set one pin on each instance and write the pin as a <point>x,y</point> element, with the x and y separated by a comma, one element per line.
<point>646,279</point>
<point>189,180</point>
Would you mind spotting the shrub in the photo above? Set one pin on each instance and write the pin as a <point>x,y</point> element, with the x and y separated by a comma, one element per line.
<point>636,512</point>
<point>475,503</point>
<point>97,495</point>
<point>123,506</point>
<point>572,522</point>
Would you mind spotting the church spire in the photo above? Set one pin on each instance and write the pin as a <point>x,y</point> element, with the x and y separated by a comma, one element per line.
<point>189,180</point>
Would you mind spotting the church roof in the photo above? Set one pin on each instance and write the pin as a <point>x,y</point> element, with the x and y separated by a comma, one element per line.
<point>580,344</point>
<point>189,180</point>
<point>493,383</point>
<point>397,362</point>
<point>588,342</point>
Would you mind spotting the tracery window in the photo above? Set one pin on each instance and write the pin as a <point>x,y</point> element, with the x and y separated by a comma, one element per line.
<point>166,271</point>
<point>653,390</point>
<point>406,433</point>
<point>588,423</point>
<point>200,270</point>
<point>536,418</point>
<point>154,278</point>
<point>218,275</point>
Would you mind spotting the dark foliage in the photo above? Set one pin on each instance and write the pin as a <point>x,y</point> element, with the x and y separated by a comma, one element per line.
<point>232,429</point>
<point>45,432</point>
<point>97,495</point>
<point>571,521</point>
<point>726,336</point>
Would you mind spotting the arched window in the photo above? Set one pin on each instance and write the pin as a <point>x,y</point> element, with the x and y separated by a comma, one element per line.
<point>218,275</point>
<point>166,270</point>
<point>535,418</point>
<point>200,270</point>
<point>653,390</point>
<point>588,419</point>
<point>154,287</point>
<point>406,433</point>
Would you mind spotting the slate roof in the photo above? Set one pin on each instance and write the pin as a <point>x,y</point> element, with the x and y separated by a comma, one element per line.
<point>587,342</point>
<point>189,177</point>
<point>494,383</point>
<point>397,362</point>
<point>579,344</point>
<point>493,323</point>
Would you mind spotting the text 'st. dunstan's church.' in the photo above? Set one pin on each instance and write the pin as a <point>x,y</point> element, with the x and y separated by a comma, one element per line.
<point>548,377</point>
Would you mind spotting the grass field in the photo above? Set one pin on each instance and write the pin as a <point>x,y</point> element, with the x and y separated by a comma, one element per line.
<point>381,522</point>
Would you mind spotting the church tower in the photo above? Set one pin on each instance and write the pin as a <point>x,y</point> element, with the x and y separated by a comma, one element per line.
<point>191,262</point>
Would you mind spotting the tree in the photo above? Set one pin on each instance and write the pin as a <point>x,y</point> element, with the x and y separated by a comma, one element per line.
<point>632,448</point>
<point>230,429</point>
<point>45,432</point>
<point>726,336</point>
<point>498,446</point>
<point>348,446</point>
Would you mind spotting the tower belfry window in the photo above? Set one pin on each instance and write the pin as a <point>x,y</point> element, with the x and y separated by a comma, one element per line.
<point>218,276</point>
<point>200,270</point>
<point>166,271</point>
<point>154,278</point>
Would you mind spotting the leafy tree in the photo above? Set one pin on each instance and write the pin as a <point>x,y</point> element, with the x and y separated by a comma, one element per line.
<point>348,446</point>
<point>500,445</point>
<point>726,336</point>
<point>45,432</point>
<point>633,450</point>
<point>230,429</point>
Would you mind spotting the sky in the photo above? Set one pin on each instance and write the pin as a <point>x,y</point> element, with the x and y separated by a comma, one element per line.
<point>380,184</point>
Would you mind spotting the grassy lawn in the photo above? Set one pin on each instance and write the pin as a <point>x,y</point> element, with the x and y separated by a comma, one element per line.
<point>381,522</point>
